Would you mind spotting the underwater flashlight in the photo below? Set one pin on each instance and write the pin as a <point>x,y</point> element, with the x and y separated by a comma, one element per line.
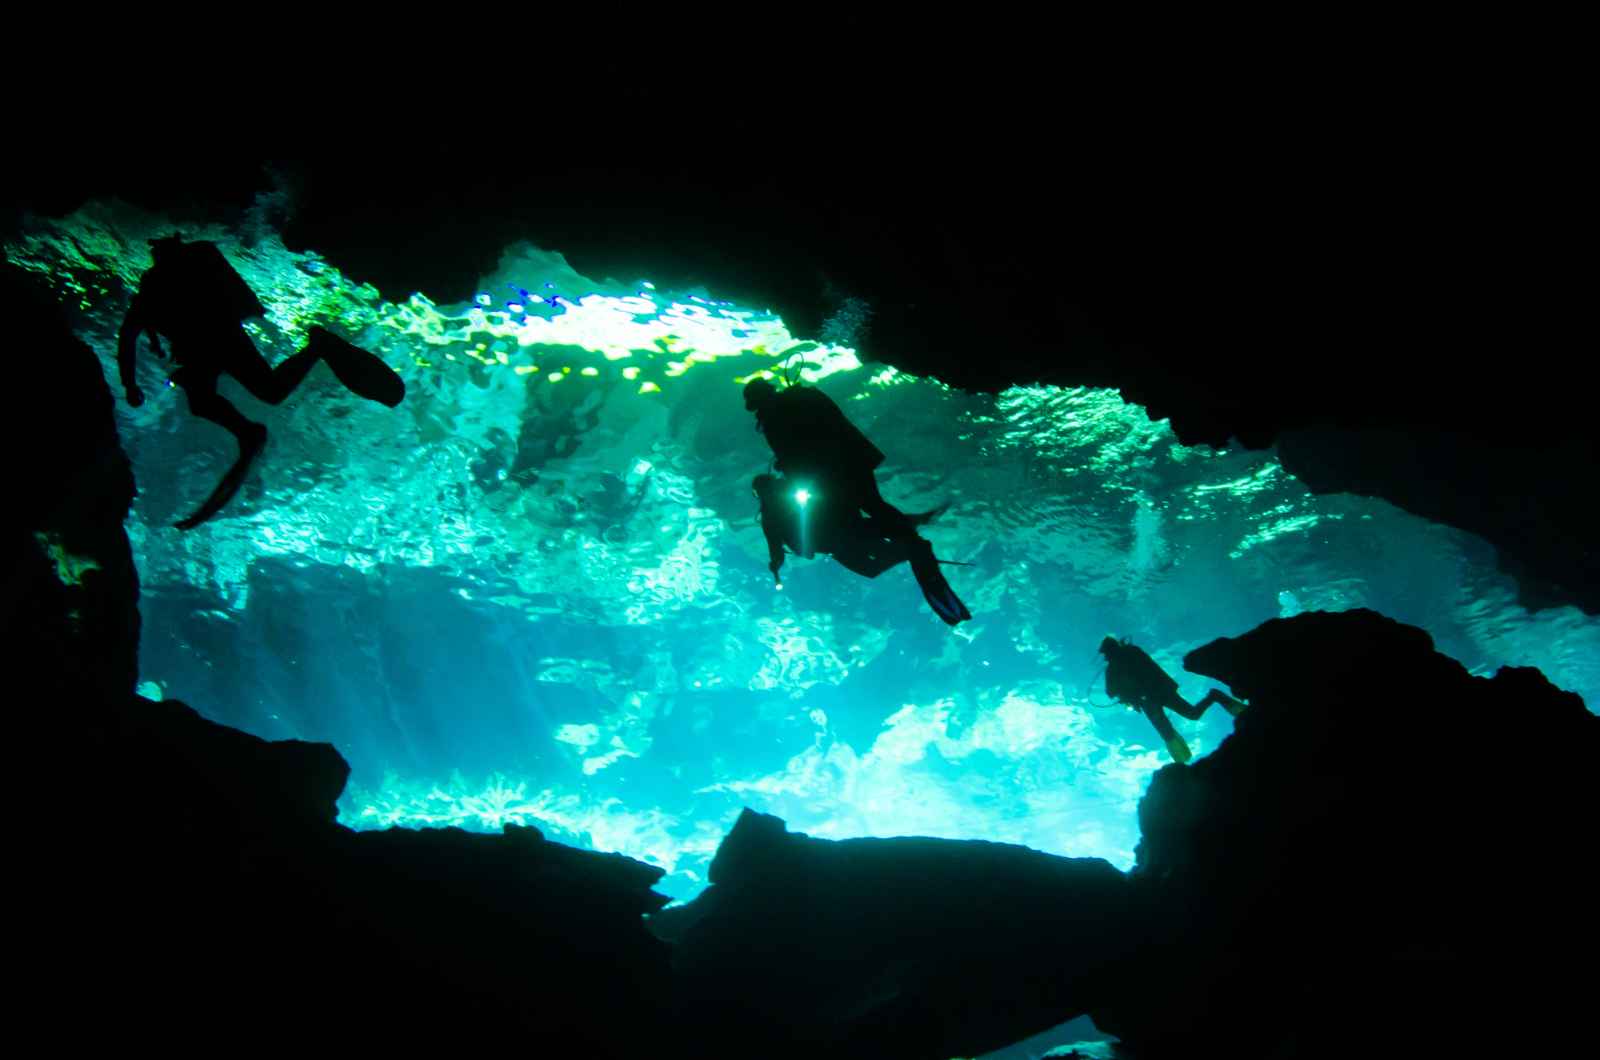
<point>801,497</point>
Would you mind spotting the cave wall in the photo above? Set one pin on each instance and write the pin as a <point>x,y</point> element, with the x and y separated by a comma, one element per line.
<point>1350,854</point>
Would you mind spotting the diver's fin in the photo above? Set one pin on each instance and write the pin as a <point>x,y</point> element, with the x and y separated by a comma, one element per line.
<point>943,599</point>
<point>363,374</point>
<point>1178,749</point>
<point>227,487</point>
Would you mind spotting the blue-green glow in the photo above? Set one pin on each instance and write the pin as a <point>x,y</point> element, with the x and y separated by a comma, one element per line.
<point>536,592</point>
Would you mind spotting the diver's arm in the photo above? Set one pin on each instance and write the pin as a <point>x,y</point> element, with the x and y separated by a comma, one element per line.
<point>128,350</point>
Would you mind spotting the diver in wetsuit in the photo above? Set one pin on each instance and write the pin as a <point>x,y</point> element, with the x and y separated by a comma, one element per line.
<point>1135,679</point>
<point>806,523</point>
<point>815,445</point>
<point>196,299</point>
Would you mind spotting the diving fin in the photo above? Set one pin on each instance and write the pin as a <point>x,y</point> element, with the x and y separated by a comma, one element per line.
<point>363,374</point>
<point>228,486</point>
<point>943,599</point>
<point>1178,749</point>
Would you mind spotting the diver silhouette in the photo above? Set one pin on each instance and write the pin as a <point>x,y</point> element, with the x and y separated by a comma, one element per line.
<point>815,445</point>
<point>807,523</point>
<point>1135,679</point>
<point>194,297</point>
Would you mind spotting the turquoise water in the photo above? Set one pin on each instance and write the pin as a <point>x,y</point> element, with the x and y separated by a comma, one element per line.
<point>536,592</point>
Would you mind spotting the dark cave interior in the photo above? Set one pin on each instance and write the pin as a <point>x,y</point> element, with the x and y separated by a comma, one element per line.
<point>1350,872</point>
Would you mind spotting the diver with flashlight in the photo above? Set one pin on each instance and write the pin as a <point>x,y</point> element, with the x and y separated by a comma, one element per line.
<point>801,520</point>
<point>813,442</point>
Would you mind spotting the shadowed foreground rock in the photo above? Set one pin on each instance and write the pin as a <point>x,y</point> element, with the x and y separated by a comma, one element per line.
<point>890,947</point>
<point>1529,494</point>
<point>215,901</point>
<point>185,887</point>
<point>1388,857</point>
<point>1386,845</point>
<point>1359,870</point>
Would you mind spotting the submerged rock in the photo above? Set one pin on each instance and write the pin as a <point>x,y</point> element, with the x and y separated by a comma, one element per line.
<point>890,947</point>
<point>214,897</point>
<point>1355,856</point>
<point>1527,492</point>
<point>1380,843</point>
<point>71,606</point>
<point>186,883</point>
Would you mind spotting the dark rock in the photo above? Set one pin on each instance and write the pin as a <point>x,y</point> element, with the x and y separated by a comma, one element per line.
<point>71,605</point>
<point>250,784</point>
<point>217,887</point>
<point>891,947</point>
<point>186,883</point>
<point>1530,493</point>
<point>1361,850</point>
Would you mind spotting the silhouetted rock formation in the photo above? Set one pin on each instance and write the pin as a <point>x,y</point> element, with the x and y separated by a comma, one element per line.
<point>186,883</point>
<point>1382,843</point>
<point>215,897</point>
<point>71,606</point>
<point>890,947</point>
<point>1356,856</point>
<point>1529,492</point>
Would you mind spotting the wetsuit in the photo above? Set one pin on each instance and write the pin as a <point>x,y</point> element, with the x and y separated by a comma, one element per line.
<point>813,441</point>
<point>1135,679</point>
<point>194,297</point>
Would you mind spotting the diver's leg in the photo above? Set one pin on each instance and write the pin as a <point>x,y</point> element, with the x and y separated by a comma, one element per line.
<point>1217,695</point>
<point>868,556</point>
<point>895,522</point>
<point>1176,747</point>
<point>205,402</point>
<point>265,382</point>
<point>1184,709</point>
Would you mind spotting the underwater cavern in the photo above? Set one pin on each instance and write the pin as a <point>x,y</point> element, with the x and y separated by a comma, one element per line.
<point>481,719</point>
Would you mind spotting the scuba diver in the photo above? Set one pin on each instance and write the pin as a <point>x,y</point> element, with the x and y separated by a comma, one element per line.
<point>813,443</point>
<point>807,523</point>
<point>1135,679</point>
<point>196,299</point>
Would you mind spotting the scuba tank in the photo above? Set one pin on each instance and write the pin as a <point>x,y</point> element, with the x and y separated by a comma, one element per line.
<point>194,283</point>
<point>1134,678</point>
